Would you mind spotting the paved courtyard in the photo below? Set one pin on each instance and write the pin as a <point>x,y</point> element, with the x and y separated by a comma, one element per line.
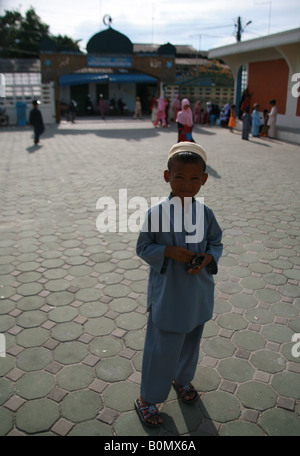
<point>72,300</point>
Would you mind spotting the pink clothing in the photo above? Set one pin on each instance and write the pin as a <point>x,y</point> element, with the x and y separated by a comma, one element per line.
<point>161,112</point>
<point>185,116</point>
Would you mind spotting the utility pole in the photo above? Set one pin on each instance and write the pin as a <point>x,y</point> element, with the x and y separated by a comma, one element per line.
<point>240,29</point>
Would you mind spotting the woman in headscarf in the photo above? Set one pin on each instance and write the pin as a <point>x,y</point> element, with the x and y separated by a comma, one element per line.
<point>185,122</point>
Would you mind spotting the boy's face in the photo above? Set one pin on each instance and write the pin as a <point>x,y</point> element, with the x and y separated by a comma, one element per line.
<point>185,179</point>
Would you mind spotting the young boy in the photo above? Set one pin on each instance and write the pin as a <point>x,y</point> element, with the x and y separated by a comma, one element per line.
<point>180,296</point>
<point>36,120</point>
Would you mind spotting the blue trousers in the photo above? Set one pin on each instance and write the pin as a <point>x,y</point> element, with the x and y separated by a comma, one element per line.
<point>167,357</point>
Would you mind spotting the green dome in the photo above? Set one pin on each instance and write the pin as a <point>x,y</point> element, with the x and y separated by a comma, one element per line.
<point>109,42</point>
<point>167,49</point>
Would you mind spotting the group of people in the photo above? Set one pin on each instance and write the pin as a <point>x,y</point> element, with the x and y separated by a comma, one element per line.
<point>183,115</point>
<point>265,126</point>
<point>186,118</point>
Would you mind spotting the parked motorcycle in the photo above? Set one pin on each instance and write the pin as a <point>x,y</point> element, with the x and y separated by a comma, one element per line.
<point>4,118</point>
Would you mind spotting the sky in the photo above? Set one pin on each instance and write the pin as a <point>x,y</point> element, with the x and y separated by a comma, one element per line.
<point>204,24</point>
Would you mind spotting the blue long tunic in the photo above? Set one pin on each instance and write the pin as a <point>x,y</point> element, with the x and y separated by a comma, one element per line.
<point>255,123</point>
<point>179,301</point>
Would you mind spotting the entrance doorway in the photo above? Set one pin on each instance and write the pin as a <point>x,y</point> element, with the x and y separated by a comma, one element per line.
<point>79,93</point>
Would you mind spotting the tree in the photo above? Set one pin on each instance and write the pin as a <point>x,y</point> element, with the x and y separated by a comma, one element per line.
<point>20,36</point>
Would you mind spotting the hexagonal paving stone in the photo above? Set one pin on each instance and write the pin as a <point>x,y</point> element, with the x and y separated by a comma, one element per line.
<point>232,321</point>
<point>34,337</point>
<point>63,314</point>
<point>7,364</point>
<point>91,429</point>
<point>268,361</point>
<point>57,285</point>
<point>70,352</point>
<point>60,298</point>
<point>291,291</point>
<point>117,290</point>
<point>248,340</point>
<point>240,428</point>
<point>7,390</point>
<point>121,396</point>
<point>259,316</point>
<point>283,309</point>
<point>123,305</point>
<point>218,347</point>
<point>114,369</point>
<point>37,416</point>
<point>32,359</point>
<point>6,421</point>
<point>29,289</point>
<point>31,319</point>
<point>279,422</point>
<point>65,332</point>
<point>256,395</point>
<point>81,405</point>
<point>135,339</point>
<point>267,295</point>
<point>252,283</point>
<point>110,278</point>
<point>6,322</point>
<point>211,329</point>
<point>277,333</point>
<point>236,370</point>
<point>131,321</point>
<point>105,346</point>
<point>93,309</point>
<point>229,287</point>
<point>287,384</point>
<point>219,406</point>
<point>99,326</point>
<point>129,424</point>
<point>35,385</point>
<point>206,379</point>
<point>75,377</point>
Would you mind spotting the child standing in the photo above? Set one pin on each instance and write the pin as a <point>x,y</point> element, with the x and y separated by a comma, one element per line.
<point>138,108</point>
<point>255,121</point>
<point>247,123</point>
<point>36,120</point>
<point>185,122</point>
<point>180,296</point>
<point>232,121</point>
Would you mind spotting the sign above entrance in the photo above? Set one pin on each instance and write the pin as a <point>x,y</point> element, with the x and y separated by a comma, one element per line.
<point>109,62</point>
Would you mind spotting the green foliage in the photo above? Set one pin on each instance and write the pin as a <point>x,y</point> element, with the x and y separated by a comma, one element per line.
<point>20,36</point>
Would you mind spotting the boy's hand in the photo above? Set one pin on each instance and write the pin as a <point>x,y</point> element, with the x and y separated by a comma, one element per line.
<point>179,254</point>
<point>205,262</point>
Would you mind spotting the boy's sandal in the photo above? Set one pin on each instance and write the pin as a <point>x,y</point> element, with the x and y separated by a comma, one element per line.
<point>184,390</point>
<point>147,411</point>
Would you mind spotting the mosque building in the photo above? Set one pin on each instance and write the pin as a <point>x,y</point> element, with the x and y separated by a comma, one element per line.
<point>113,67</point>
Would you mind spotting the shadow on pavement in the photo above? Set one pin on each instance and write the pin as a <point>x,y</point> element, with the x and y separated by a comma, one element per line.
<point>191,420</point>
